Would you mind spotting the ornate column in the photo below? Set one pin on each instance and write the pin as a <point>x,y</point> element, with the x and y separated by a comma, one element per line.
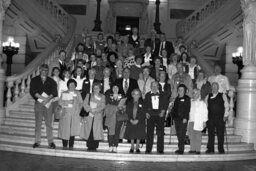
<point>157,24</point>
<point>97,21</point>
<point>245,123</point>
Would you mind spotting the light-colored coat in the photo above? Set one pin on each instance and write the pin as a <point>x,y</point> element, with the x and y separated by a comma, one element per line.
<point>96,120</point>
<point>69,124</point>
<point>198,114</point>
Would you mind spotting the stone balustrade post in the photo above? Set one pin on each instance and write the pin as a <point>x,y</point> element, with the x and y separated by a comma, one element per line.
<point>245,122</point>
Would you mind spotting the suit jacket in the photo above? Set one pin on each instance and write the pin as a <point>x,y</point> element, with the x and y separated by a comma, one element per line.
<point>134,43</point>
<point>163,103</point>
<point>166,89</point>
<point>86,87</point>
<point>132,85</point>
<point>154,45</point>
<point>103,85</point>
<point>168,46</point>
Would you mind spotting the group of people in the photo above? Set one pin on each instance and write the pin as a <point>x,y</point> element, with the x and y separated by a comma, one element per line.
<point>134,83</point>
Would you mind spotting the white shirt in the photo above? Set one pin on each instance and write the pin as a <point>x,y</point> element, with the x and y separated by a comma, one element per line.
<point>79,82</point>
<point>155,101</point>
<point>222,80</point>
<point>91,82</point>
<point>191,71</point>
<point>128,81</point>
<point>62,86</point>
<point>147,59</point>
<point>106,84</point>
<point>162,85</point>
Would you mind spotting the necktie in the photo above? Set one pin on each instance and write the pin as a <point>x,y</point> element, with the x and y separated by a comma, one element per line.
<point>125,86</point>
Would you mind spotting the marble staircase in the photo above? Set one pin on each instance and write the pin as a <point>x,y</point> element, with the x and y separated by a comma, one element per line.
<point>17,134</point>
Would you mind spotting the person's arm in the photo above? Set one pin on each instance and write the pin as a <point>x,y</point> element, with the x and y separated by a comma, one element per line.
<point>54,91</point>
<point>86,104</point>
<point>101,106</point>
<point>226,105</point>
<point>186,109</point>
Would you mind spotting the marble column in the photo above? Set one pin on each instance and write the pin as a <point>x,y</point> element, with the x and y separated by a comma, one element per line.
<point>4,4</point>
<point>157,24</point>
<point>245,123</point>
<point>97,21</point>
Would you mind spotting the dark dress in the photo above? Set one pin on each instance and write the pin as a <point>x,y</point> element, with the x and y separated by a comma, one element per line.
<point>137,131</point>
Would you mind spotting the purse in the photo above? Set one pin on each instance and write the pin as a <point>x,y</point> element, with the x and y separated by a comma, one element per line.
<point>83,112</point>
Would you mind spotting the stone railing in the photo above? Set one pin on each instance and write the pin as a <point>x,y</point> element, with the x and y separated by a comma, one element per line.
<point>56,11</point>
<point>198,16</point>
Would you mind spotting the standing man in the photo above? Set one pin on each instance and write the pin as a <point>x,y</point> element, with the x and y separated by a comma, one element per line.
<point>88,83</point>
<point>164,44</point>
<point>218,108</point>
<point>126,84</point>
<point>155,104</point>
<point>43,89</point>
<point>107,80</point>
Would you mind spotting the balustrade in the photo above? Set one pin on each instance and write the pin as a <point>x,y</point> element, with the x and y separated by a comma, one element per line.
<point>199,16</point>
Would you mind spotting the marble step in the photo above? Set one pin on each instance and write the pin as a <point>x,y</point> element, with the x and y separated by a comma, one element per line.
<point>122,147</point>
<point>31,132</point>
<point>125,156</point>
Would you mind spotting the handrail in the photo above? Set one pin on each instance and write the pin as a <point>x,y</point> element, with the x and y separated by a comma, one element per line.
<point>19,85</point>
<point>198,16</point>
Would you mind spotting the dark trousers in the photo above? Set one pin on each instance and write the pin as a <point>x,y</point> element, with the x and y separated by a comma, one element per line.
<point>91,143</point>
<point>69,142</point>
<point>114,139</point>
<point>219,125</point>
<point>181,129</point>
<point>159,123</point>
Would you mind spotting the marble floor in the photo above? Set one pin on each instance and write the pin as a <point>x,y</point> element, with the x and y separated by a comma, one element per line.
<point>10,161</point>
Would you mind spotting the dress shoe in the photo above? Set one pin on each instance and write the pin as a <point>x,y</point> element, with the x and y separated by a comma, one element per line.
<point>160,152</point>
<point>209,152</point>
<point>147,152</point>
<point>179,152</point>
<point>222,152</point>
<point>64,148</point>
<point>198,152</point>
<point>35,145</point>
<point>131,150</point>
<point>137,150</point>
<point>52,146</point>
<point>192,152</point>
<point>71,148</point>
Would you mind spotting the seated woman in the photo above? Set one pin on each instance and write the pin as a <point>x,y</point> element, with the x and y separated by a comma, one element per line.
<point>94,104</point>
<point>197,121</point>
<point>69,124</point>
<point>136,127</point>
<point>113,98</point>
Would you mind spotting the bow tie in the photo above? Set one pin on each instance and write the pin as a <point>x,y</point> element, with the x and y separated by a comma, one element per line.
<point>154,94</point>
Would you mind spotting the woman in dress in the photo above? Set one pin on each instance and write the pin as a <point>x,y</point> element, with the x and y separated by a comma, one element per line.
<point>136,127</point>
<point>93,131</point>
<point>113,98</point>
<point>69,126</point>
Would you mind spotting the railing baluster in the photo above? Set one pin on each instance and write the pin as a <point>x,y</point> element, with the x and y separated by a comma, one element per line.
<point>22,87</point>
<point>9,94</point>
<point>28,83</point>
<point>16,91</point>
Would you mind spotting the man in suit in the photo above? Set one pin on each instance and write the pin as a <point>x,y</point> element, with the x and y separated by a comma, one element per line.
<point>107,81</point>
<point>158,67</point>
<point>88,83</point>
<point>164,44</point>
<point>59,62</point>
<point>163,85</point>
<point>155,104</point>
<point>126,84</point>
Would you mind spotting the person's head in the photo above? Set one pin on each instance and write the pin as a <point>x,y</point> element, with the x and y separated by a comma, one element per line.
<point>148,49</point>
<point>126,73</point>
<point>200,75</point>
<point>93,58</point>
<point>71,84</point>
<point>66,74</point>
<point>135,31</point>
<point>99,61</point>
<point>217,70</point>
<point>215,88</point>
<point>100,36</point>
<point>98,52</point>
<point>142,42</point>
<point>182,49</point>
<point>146,72</point>
<point>193,60</point>
<point>182,89</point>
<point>119,63</point>
<point>96,87</point>
<point>138,60</point>
<point>125,39</point>
<point>88,40</point>
<point>157,62</point>
<point>164,53</point>
<point>112,57</point>
<point>110,40</point>
<point>196,94</point>
<point>92,73</point>
<point>113,47</point>
<point>162,76</point>
<point>115,89</point>
<point>162,37</point>
<point>44,69</point>
<point>180,40</point>
<point>180,68</point>
<point>106,72</point>
<point>174,57</point>
<point>136,94</point>
<point>154,86</point>
<point>104,57</point>
<point>130,52</point>
<point>184,56</point>
<point>62,55</point>
<point>80,47</point>
<point>80,63</point>
<point>117,36</point>
<point>78,71</point>
<point>56,72</point>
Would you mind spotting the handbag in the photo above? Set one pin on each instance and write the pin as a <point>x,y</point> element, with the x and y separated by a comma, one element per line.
<point>83,112</point>
<point>121,115</point>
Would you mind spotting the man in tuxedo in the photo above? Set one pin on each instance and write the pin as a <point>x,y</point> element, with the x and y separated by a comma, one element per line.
<point>88,83</point>
<point>106,81</point>
<point>155,103</point>
<point>164,44</point>
<point>126,84</point>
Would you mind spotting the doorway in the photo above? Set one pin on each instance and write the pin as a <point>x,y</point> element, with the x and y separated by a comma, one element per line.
<point>124,25</point>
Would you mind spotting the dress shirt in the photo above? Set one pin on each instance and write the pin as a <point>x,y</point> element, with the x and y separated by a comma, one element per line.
<point>106,85</point>
<point>91,82</point>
